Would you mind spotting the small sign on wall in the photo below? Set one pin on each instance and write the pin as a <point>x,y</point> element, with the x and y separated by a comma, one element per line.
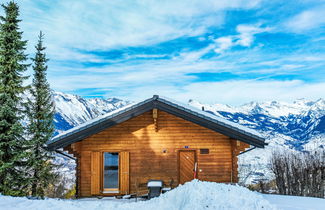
<point>204,151</point>
<point>186,147</point>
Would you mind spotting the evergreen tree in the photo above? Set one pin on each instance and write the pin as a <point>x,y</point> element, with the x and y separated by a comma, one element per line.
<point>40,112</point>
<point>12,144</point>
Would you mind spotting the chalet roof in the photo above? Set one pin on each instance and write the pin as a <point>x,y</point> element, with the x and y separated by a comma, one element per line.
<point>178,109</point>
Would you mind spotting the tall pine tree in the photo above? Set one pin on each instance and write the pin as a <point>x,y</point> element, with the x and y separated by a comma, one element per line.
<point>12,66</point>
<point>40,114</point>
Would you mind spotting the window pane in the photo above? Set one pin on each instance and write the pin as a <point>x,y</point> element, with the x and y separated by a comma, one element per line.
<point>110,170</point>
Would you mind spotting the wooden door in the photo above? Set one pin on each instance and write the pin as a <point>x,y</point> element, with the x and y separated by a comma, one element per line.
<point>186,166</point>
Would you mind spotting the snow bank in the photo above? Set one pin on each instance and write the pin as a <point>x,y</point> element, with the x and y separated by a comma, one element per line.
<point>208,195</point>
<point>192,195</point>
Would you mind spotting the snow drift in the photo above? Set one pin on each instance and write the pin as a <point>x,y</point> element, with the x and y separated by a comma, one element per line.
<point>192,195</point>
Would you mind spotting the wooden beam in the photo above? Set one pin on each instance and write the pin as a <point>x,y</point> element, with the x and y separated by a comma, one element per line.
<point>155,118</point>
<point>234,159</point>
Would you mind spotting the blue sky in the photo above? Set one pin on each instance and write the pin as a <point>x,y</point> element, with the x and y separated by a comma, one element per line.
<point>232,51</point>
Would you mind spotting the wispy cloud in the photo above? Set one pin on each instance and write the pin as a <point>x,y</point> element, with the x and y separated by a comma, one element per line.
<point>307,20</point>
<point>245,37</point>
<point>232,50</point>
<point>237,92</point>
<point>93,24</point>
<point>223,43</point>
<point>233,92</point>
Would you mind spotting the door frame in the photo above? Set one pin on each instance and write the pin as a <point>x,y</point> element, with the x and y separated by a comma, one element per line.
<point>179,162</point>
<point>109,190</point>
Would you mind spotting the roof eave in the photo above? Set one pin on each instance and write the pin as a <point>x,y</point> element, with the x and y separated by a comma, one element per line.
<point>161,104</point>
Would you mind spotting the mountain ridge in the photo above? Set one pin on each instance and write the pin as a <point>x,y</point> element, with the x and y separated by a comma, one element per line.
<point>301,120</point>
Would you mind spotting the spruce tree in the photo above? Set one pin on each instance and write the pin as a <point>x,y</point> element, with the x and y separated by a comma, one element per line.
<point>40,114</point>
<point>13,152</point>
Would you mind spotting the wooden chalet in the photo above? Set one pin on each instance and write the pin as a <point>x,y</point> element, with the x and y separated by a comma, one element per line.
<point>160,139</point>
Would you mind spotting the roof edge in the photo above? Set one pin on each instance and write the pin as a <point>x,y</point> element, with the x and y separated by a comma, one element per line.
<point>185,112</point>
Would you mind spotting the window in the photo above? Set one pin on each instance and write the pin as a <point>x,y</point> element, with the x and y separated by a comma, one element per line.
<point>111,174</point>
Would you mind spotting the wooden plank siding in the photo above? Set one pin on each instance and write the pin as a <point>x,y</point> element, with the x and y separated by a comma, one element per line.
<point>153,149</point>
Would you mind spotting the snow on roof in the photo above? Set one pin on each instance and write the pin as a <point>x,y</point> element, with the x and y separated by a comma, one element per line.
<point>179,105</point>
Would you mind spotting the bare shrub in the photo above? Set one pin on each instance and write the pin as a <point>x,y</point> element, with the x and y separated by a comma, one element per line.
<point>263,186</point>
<point>299,173</point>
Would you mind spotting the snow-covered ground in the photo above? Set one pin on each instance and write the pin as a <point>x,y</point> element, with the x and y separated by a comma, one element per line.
<point>194,195</point>
<point>286,202</point>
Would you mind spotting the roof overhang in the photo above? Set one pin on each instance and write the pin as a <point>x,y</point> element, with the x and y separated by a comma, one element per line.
<point>190,114</point>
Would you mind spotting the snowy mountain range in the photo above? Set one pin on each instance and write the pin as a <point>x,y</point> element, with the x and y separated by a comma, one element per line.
<point>299,125</point>
<point>73,110</point>
<point>301,121</point>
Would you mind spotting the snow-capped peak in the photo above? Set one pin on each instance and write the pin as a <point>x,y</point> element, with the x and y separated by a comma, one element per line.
<point>72,110</point>
<point>272,108</point>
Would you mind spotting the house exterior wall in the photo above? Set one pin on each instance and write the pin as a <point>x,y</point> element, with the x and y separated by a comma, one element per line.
<point>153,151</point>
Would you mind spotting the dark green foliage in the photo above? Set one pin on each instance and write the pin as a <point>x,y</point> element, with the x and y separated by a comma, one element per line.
<point>40,112</point>
<point>13,152</point>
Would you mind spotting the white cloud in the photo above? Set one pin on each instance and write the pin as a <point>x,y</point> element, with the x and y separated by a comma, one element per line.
<point>137,81</point>
<point>96,24</point>
<point>247,32</point>
<point>234,92</point>
<point>195,55</point>
<point>245,37</point>
<point>223,43</point>
<point>178,71</point>
<point>103,25</point>
<point>306,20</point>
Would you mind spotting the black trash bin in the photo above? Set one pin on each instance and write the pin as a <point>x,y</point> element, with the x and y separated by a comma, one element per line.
<point>154,187</point>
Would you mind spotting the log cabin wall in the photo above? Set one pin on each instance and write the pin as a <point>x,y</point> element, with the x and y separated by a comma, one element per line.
<point>153,141</point>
